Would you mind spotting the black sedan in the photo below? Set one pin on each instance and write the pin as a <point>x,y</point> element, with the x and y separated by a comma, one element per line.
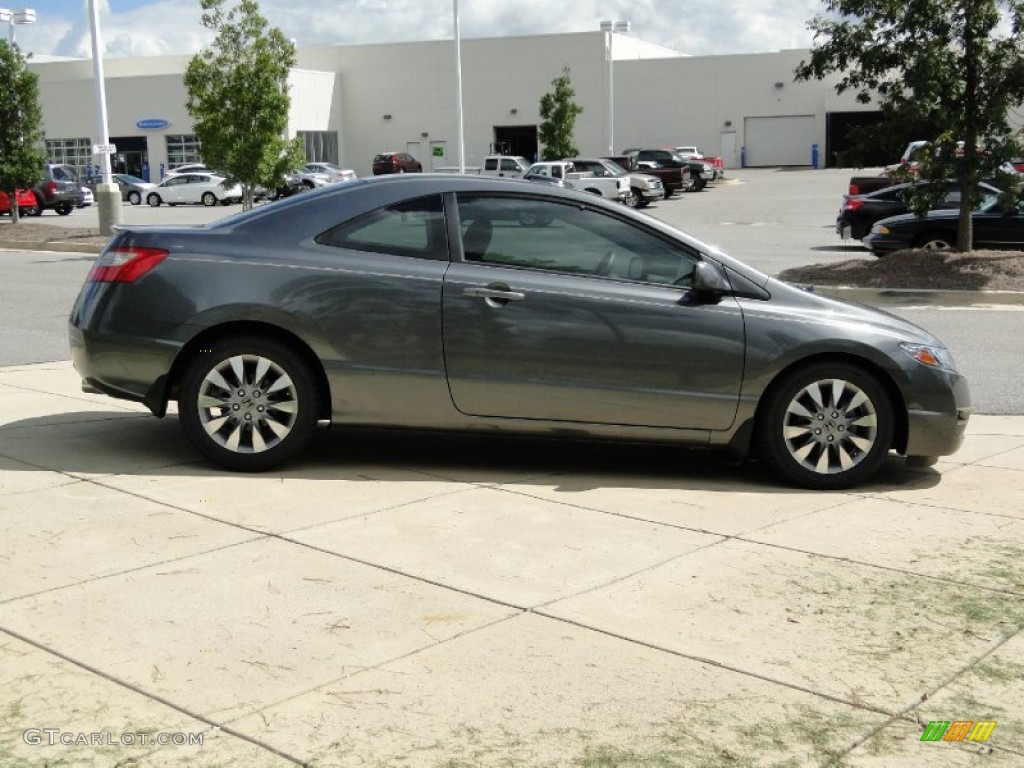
<point>478,304</point>
<point>860,212</point>
<point>996,226</point>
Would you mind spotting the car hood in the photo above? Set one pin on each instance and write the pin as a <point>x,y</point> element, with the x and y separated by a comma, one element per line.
<point>806,300</point>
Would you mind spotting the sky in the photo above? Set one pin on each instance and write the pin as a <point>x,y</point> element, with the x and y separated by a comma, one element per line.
<point>155,27</point>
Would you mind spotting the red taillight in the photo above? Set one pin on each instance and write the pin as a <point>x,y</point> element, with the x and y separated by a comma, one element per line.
<point>51,187</point>
<point>852,205</point>
<point>854,189</point>
<point>125,264</point>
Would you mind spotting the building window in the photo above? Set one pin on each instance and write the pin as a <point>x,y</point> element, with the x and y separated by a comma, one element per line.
<point>321,146</point>
<point>181,149</point>
<point>76,152</point>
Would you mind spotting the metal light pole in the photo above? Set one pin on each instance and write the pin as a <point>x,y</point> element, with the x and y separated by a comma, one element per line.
<point>609,28</point>
<point>16,16</point>
<point>108,196</point>
<point>458,87</point>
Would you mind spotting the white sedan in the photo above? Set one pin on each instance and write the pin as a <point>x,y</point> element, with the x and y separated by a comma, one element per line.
<point>205,188</point>
<point>330,170</point>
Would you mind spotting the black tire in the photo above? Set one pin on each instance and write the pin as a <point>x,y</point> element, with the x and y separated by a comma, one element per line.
<point>209,199</point>
<point>38,211</point>
<point>826,426</point>
<point>29,210</point>
<point>635,198</point>
<point>936,241</point>
<point>134,198</point>
<point>64,209</point>
<point>244,427</point>
<point>669,193</point>
<point>153,200</point>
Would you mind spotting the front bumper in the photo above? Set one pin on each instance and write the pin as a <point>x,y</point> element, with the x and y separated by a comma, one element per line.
<point>940,432</point>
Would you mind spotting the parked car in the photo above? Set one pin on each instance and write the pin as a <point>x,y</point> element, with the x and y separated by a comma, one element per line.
<point>60,189</point>
<point>608,186</point>
<point>26,202</point>
<point>441,303</point>
<point>188,168</point>
<point>643,188</point>
<point>330,170</point>
<point>673,179</point>
<point>995,226</point>
<point>202,188</point>
<point>860,212</point>
<point>132,188</point>
<point>395,162</point>
<point>87,197</point>
<point>669,158</point>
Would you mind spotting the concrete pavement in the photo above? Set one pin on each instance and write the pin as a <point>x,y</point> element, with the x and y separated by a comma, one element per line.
<point>391,599</point>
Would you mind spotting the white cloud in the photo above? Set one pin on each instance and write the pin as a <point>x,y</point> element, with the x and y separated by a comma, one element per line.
<point>691,26</point>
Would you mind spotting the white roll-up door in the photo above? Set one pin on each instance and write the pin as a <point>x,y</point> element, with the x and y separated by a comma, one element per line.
<point>784,140</point>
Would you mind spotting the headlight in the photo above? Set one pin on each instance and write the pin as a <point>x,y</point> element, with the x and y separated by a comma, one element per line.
<point>878,229</point>
<point>932,356</point>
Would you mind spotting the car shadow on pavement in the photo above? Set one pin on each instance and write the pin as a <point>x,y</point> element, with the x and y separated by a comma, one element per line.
<point>840,248</point>
<point>120,442</point>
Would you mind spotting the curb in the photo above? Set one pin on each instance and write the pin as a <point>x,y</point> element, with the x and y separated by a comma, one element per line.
<point>915,296</point>
<point>55,245</point>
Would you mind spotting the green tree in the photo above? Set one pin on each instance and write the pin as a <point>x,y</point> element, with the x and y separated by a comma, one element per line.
<point>558,111</point>
<point>957,65</point>
<point>238,96</point>
<point>21,135</point>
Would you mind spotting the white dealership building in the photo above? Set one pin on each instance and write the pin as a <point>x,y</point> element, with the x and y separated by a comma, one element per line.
<point>352,102</point>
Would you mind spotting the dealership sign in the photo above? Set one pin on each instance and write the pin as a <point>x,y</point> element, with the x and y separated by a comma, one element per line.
<point>151,124</point>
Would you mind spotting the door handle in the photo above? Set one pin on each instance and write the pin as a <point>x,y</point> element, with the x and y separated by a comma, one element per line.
<point>494,294</point>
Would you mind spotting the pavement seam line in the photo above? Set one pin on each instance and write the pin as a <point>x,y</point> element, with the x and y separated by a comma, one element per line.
<point>902,714</point>
<point>152,696</point>
<point>362,670</point>
<point>713,663</point>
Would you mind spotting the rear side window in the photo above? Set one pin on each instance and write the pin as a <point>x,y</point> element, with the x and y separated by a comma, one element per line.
<point>382,158</point>
<point>410,228</point>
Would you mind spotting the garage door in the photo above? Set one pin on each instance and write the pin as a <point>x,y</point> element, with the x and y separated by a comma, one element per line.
<point>782,140</point>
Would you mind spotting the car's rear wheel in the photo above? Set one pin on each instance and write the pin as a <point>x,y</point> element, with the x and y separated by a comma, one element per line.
<point>64,209</point>
<point>29,210</point>
<point>248,403</point>
<point>38,210</point>
<point>935,241</point>
<point>134,198</point>
<point>153,200</point>
<point>827,426</point>
<point>209,199</point>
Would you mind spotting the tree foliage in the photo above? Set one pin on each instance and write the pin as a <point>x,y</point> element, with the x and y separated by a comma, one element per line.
<point>238,96</point>
<point>955,65</point>
<point>558,111</point>
<point>21,135</point>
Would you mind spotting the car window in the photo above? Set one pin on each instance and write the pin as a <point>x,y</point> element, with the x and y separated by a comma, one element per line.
<point>410,228</point>
<point>568,238</point>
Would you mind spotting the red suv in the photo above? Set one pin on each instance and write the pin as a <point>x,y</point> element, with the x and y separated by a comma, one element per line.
<point>395,162</point>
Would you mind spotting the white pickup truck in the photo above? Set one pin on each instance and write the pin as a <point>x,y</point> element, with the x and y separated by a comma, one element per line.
<point>613,188</point>
<point>508,166</point>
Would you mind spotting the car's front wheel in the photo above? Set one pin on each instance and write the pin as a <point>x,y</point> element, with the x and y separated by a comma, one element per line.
<point>826,426</point>
<point>209,199</point>
<point>248,403</point>
<point>153,200</point>
<point>935,241</point>
<point>134,198</point>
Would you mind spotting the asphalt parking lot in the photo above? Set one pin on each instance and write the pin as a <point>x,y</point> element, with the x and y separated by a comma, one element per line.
<point>410,600</point>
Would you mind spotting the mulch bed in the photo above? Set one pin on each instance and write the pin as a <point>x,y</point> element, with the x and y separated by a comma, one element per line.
<point>934,270</point>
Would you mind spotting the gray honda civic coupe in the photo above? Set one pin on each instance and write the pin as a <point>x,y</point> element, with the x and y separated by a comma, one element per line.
<point>450,302</point>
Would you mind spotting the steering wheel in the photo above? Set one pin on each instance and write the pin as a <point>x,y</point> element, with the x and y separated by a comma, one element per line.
<point>604,267</point>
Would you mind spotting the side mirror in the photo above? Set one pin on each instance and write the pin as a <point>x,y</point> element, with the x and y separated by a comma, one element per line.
<point>708,278</point>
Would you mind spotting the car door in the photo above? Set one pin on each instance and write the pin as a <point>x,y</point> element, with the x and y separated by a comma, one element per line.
<point>172,189</point>
<point>999,227</point>
<point>563,312</point>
